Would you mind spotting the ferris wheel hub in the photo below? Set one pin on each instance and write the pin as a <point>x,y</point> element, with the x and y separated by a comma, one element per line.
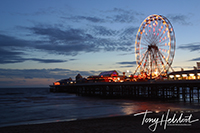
<point>152,47</point>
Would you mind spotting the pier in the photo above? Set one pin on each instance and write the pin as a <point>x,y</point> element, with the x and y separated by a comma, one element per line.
<point>183,90</point>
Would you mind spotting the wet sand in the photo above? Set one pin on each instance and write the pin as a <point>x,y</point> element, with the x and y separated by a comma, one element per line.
<point>120,124</point>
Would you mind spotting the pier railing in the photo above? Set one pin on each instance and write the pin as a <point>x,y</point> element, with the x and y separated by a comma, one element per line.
<point>187,90</point>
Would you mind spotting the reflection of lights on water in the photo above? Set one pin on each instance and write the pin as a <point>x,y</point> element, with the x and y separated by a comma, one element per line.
<point>157,111</point>
<point>129,109</point>
<point>132,108</point>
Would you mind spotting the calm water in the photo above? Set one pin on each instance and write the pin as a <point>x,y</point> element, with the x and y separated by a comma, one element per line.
<point>38,105</point>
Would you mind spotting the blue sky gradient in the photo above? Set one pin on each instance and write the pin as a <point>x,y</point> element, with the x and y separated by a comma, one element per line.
<point>44,41</point>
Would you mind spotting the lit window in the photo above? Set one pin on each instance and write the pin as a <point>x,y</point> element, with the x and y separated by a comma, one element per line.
<point>177,76</point>
<point>184,75</point>
<point>171,76</point>
<point>191,74</point>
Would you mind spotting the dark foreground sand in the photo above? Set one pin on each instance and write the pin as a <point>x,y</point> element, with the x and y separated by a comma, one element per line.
<point>123,124</point>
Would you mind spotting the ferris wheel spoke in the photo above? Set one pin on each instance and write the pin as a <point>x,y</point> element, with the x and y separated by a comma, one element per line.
<point>163,37</point>
<point>163,57</point>
<point>146,40</point>
<point>164,43</point>
<point>139,63</point>
<point>143,49</point>
<point>154,61</point>
<point>162,30</point>
<point>146,61</point>
<point>163,51</point>
<point>144,44</point>
<point>161,61</point>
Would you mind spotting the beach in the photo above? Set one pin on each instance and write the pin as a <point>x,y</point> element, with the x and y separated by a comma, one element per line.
<point>128,123</point>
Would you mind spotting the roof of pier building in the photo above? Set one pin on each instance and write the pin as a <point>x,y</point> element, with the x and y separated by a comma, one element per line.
<point>185,72</point>
<point>109,73</point>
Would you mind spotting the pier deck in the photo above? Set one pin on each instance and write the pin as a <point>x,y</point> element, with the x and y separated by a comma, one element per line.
<point>184,90</point>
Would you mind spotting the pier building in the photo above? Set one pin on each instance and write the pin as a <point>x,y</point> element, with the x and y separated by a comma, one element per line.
<point>107,76</point>
<point>185,75</point>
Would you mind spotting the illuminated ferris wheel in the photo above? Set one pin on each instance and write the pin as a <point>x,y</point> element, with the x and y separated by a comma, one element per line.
<point>155,46</point>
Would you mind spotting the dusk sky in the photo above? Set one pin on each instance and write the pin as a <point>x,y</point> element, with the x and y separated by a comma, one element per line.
<point>43,41</point>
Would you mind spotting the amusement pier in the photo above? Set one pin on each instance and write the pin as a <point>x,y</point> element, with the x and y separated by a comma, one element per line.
<point>155,45</point>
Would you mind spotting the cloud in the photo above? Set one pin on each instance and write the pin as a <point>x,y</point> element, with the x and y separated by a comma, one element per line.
<point>195,59</point>
<point>116,15</point>
<point>70,40</point>
<point>125,11</point>
<point>40,11</point>
<point>184,67</point>
<point>7,56</point>
<point>47,60</point>
<point>8,41</point>
<point>191,46</point>
<point>103,31</point>
<point>127,62</point>
<point>126,66</point>
<point>120,15</point>
<point>13,49</point>
<point>129,31</point>
<point>179,18</point>
<point>65,41</point>
<point>55,33</point>
<point>11,56</point>
<point>124,18</point>
<point>87,18</point>
<point>38,77</point>
<point>56,73</point>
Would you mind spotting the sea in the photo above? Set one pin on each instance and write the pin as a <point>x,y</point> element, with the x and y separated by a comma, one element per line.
<point>22,106</point>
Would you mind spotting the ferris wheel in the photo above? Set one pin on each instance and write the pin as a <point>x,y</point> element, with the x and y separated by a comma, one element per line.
<point>155,46</point>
